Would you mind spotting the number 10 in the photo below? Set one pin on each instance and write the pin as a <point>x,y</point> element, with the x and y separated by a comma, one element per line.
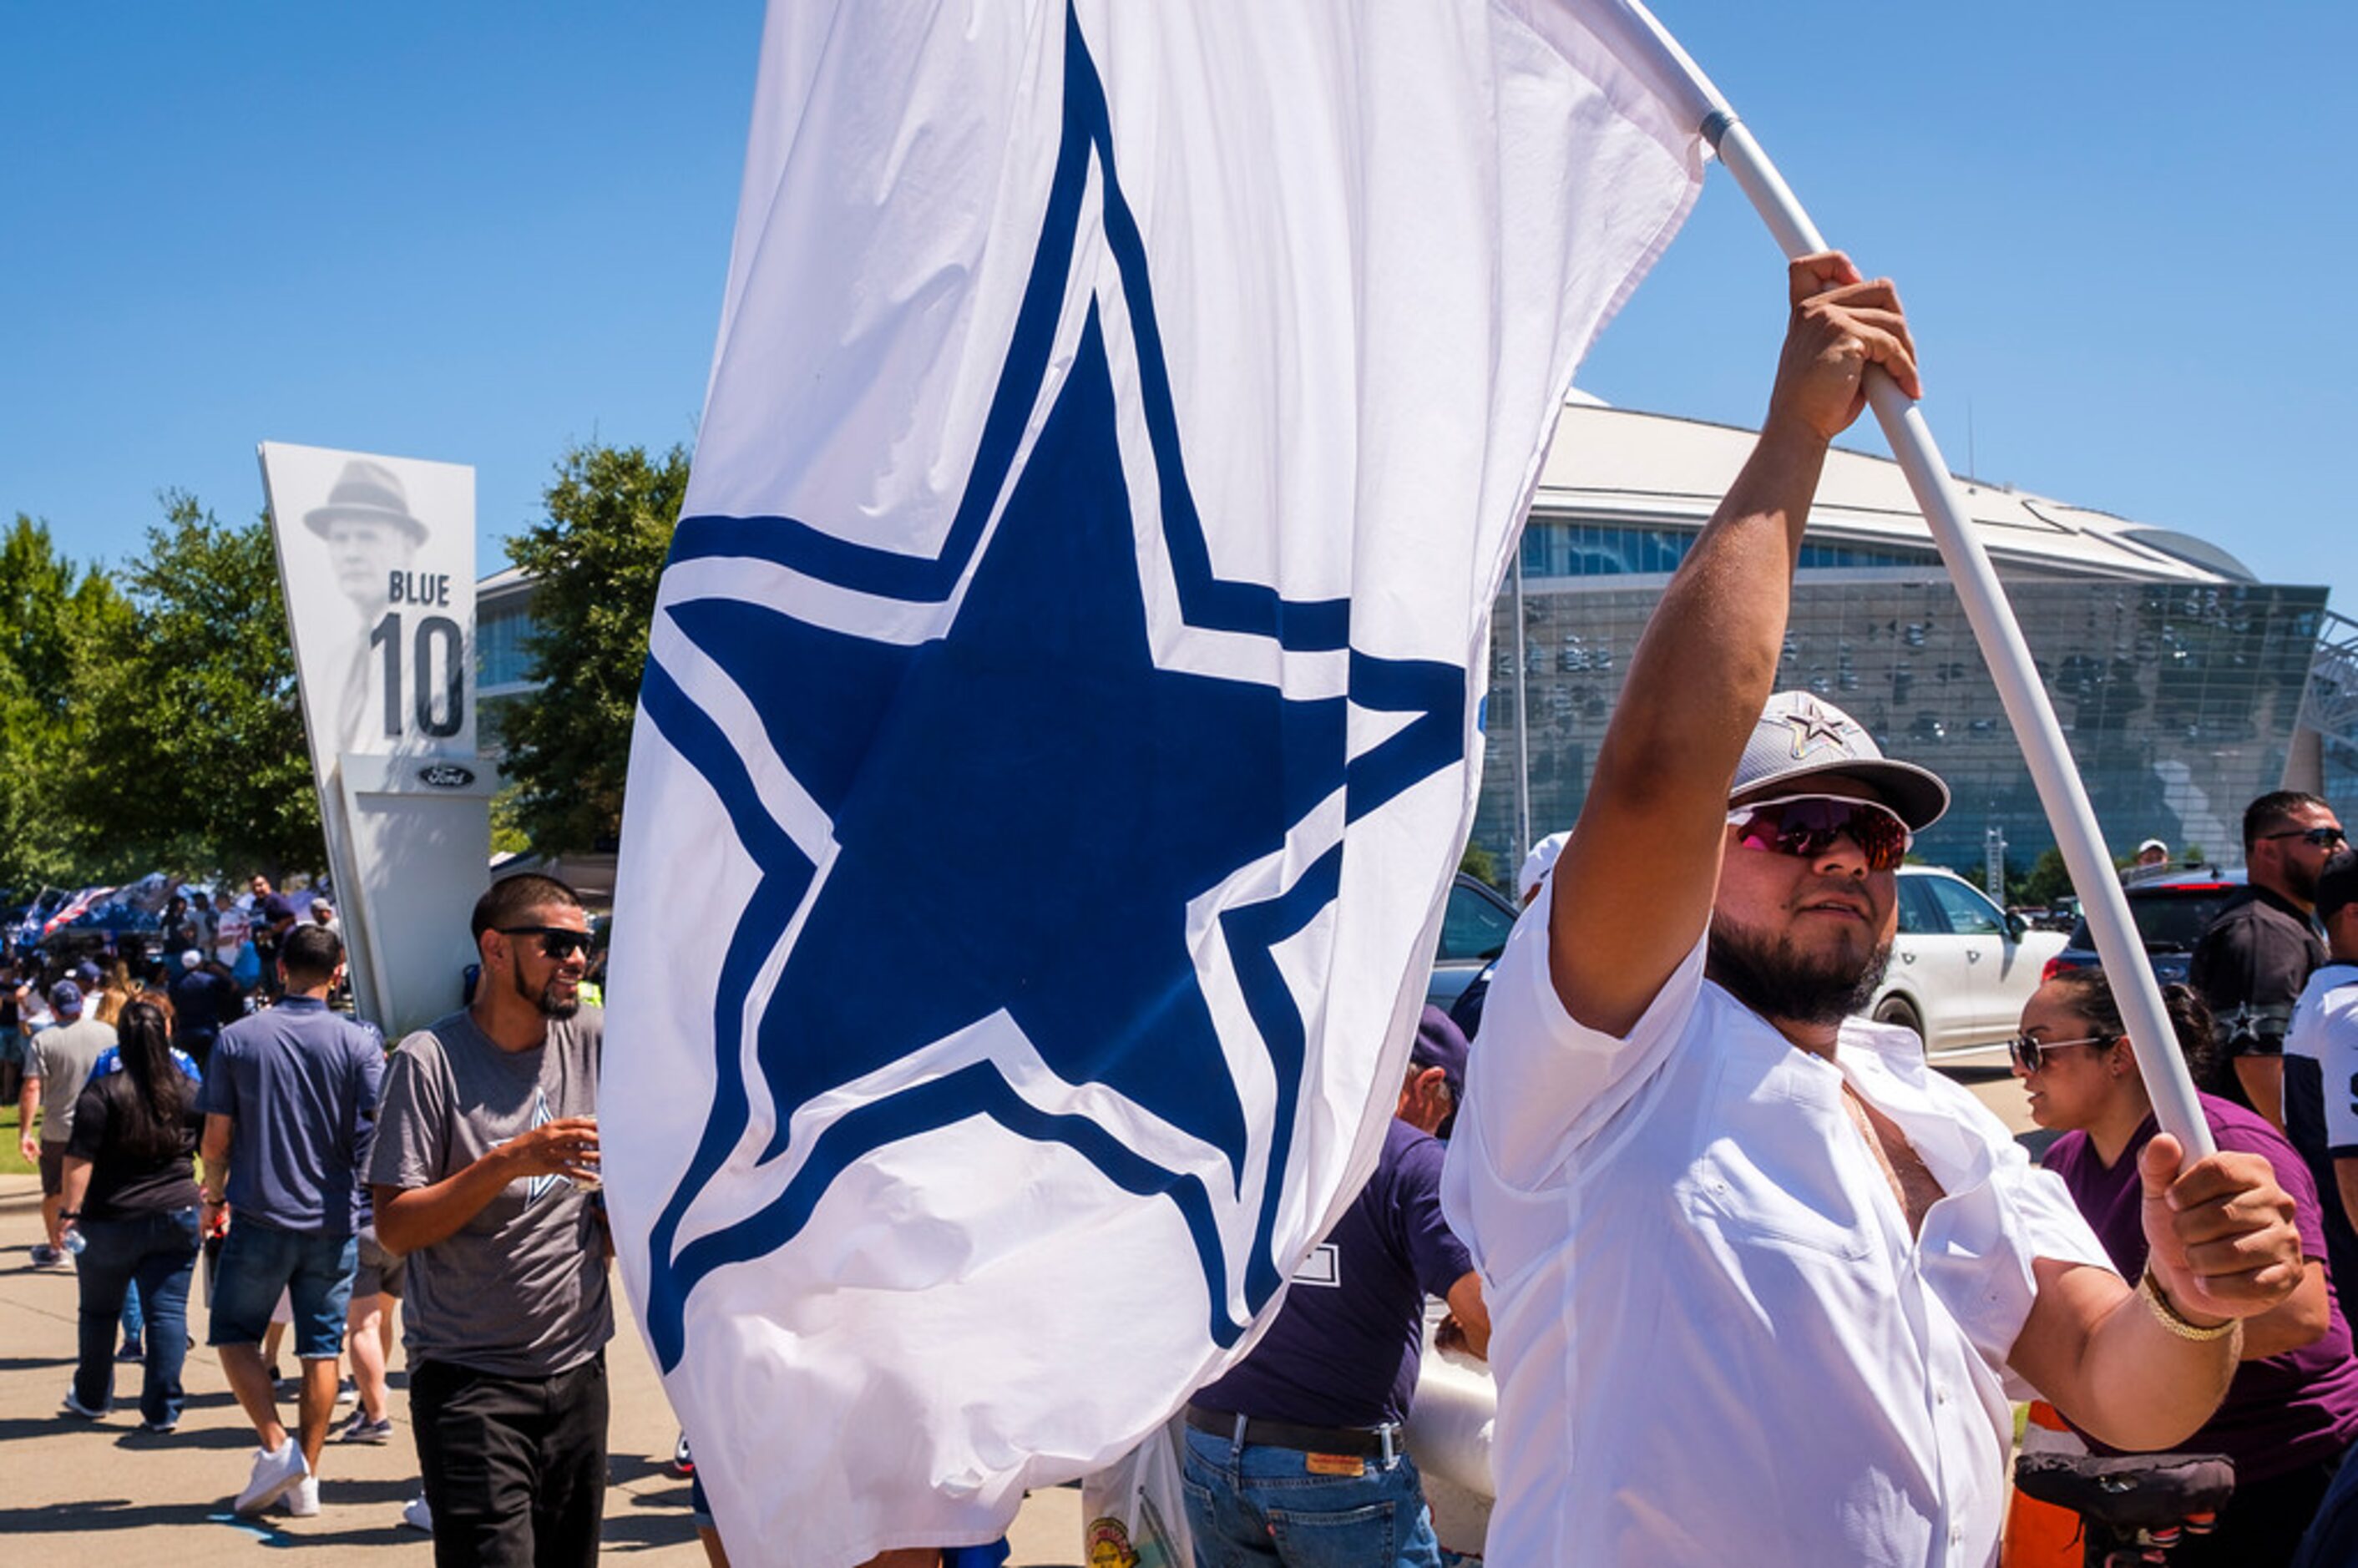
<point>432,630</point>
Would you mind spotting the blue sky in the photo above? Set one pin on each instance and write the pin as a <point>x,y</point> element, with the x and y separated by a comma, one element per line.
<point>480,232</point>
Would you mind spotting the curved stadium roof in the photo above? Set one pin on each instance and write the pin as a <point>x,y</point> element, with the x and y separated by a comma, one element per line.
<point>1623,466</point>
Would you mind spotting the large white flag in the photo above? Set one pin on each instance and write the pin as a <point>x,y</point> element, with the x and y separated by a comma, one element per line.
<point>1063,709</point>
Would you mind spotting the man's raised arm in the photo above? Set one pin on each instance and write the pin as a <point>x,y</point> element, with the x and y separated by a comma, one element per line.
<point>1633,890</point>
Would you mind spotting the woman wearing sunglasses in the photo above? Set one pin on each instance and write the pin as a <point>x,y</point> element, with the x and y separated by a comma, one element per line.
<point>2292,1409</point>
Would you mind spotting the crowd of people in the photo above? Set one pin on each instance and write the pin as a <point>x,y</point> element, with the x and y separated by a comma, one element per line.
<point>1758,1285</point>
<point>177,1114</point>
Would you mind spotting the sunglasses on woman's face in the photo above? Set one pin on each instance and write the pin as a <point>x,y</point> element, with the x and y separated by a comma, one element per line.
<point>1806,826</point>
<point>558,942</point>
<point>2027,1051</point>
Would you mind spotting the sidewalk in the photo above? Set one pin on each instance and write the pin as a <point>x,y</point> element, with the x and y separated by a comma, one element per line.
<point>106,1495</point>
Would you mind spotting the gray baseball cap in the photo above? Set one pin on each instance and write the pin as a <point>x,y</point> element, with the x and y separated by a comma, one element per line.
<point>1801,738</point>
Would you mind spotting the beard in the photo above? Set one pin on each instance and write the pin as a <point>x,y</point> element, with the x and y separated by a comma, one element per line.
<point>1777,980</point>
<point>2300,879</point>
<point>548,1002</point>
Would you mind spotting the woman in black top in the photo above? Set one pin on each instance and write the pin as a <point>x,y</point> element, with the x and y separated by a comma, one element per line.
<point>131,1190</point>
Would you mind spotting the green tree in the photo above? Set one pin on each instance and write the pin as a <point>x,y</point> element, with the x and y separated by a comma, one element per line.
<point>595,564</point>
<point>196,760</point>
<point>54,619</point>
<point>1482,866</point>
<point>2046,881</point>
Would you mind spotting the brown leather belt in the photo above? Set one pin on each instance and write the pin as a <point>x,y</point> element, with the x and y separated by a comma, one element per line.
<point>1368,1443</point>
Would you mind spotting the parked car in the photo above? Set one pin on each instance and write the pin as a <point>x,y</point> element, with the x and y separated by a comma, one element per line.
<point>2171,913</point>
<point>1961,966</point>
<point>1474,927</point>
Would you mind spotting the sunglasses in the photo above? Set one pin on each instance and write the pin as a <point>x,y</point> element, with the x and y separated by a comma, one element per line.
<point>2027,1053</point>
<point>2323,838</point>
<point>1806,826</point>
<point>558,942</point>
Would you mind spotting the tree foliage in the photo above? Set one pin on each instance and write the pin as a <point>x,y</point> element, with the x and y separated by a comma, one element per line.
<point>2046,883</point>
<point>198,761</point>
<point>55,619</point>
<point>595,565</point>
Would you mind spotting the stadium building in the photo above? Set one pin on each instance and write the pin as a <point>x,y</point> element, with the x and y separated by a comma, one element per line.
<point>2186,686</point>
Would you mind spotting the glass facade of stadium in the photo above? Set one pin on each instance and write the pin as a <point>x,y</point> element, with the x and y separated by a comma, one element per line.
<point>2180,699</point>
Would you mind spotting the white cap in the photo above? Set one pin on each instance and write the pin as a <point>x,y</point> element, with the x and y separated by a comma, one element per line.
<point>2153,844</point>
<point>1801,737</point>
<point>1538,863</point>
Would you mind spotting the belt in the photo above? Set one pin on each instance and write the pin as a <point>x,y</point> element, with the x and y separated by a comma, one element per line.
<point>1367,1442</point>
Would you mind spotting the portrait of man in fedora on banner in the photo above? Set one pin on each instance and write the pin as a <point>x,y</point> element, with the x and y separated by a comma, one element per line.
<point>359,641</point>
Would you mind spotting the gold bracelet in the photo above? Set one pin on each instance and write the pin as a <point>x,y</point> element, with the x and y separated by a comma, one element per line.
<point>2175,1322</point>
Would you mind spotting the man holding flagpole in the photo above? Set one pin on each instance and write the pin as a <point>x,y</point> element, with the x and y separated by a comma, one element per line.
<point>1731,1234</point>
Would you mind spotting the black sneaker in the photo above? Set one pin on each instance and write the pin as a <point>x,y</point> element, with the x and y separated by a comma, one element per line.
<point>360,1429</point>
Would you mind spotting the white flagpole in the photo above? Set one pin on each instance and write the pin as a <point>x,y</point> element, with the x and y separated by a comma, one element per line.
<point>2061,791</point>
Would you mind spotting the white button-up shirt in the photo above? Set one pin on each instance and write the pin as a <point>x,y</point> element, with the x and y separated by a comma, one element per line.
<point>1715,1339</point>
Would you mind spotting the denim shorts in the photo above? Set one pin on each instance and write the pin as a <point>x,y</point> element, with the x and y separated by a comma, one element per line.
<point>257,1262</point>
<point>380,1272</point>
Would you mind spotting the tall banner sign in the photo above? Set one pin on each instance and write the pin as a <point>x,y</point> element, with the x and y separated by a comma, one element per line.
<point>376,560</point>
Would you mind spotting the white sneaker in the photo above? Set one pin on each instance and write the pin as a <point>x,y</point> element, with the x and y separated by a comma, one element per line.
<point>274,1471</point>
<point>416,1515</point>
<point>302,1498</point>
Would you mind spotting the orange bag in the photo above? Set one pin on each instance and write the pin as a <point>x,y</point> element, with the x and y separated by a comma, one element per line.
<point>2041,1535</point>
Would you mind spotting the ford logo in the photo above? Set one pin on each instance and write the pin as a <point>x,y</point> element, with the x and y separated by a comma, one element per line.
<point>446,775</point>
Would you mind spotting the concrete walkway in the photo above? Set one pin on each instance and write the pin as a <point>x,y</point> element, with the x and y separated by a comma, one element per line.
<point>106,1495</point>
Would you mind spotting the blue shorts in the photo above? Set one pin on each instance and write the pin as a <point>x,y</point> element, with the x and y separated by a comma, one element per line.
<point>257,1262</point>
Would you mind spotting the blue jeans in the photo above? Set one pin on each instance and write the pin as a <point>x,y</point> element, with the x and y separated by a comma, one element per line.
<point>157,1252</point>
<point>1253,1506</point>
<point>2332,1535</point>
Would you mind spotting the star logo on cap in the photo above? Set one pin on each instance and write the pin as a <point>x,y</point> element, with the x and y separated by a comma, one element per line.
<point>1815,726</point>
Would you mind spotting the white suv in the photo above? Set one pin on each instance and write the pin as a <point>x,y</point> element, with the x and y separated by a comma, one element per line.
<point>1961,968</point>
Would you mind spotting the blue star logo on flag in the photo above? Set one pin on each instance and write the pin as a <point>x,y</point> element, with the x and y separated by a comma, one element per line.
<point>1022,819</point>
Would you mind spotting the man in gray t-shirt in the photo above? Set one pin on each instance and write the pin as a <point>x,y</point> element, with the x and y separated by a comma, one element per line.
<point>56,1065</point>
<point>483,1171</point>
<point>519,1289</point>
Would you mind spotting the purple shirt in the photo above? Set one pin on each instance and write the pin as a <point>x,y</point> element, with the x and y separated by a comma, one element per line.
<point>1345,1348</point>
<point>2282,1413</point>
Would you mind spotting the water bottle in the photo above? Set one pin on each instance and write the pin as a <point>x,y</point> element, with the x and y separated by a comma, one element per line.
<point>74,1240</point>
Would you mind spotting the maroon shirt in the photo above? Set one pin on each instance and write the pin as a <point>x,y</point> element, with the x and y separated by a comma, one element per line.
<point>2283,1412</point>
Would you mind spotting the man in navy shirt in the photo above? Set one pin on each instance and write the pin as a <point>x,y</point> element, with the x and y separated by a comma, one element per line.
<point>1295,1456</point>
<point>204,1000</point>
<point>290,1104</point>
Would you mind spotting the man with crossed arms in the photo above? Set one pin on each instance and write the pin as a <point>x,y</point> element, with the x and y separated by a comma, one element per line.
<point>1760,1282</point>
